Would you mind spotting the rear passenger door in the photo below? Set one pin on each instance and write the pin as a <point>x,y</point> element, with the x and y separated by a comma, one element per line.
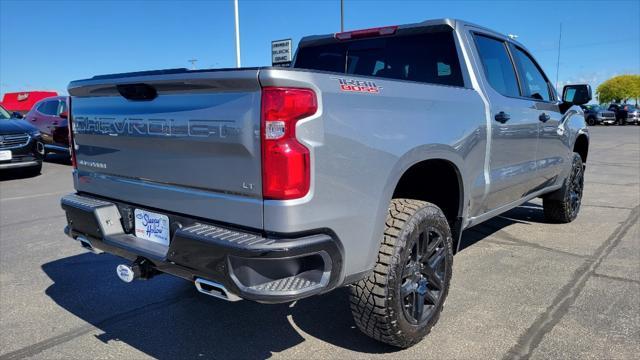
<point>552,151</point>
<point>514,125</point>
<point>45,115</point>
<point>59,129</point>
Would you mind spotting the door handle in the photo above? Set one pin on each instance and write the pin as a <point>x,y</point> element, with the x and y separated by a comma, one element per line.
<point>502,117</point>
<point>544,117</point>
<point>33,119</point>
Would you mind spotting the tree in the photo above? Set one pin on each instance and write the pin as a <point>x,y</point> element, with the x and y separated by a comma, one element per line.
<point>619,89</point>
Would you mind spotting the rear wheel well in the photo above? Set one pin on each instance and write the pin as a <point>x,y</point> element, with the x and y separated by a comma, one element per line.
<point>438,182</point>
<point>582,147</point>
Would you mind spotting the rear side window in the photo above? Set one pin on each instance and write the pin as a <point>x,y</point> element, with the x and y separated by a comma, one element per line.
<point>497,65</point>
<point>427,57</point>
<point>62,108</point>
<point>534,83</point>
<point>49,107</point>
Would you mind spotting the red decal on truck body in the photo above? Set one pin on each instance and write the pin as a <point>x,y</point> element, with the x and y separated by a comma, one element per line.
<point>363,86</point>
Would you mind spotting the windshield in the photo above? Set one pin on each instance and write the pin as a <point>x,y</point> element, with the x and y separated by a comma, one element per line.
<point>593,107</point>
<point>630,108</point>
<point>4,114</point>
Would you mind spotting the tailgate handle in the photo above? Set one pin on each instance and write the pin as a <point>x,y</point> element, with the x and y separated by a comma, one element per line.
<point>137,92</point>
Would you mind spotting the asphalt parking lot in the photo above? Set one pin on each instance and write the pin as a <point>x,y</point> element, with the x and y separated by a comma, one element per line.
<point>521,288</point>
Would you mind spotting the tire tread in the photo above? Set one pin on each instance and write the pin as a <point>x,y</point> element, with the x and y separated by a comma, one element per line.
<point>369,298</point>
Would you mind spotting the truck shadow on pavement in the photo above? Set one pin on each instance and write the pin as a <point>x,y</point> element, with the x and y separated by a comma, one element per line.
<point>526,213</point>
<point>167,318</point>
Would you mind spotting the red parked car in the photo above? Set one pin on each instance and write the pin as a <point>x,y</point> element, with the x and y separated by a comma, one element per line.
<point>50,117</point>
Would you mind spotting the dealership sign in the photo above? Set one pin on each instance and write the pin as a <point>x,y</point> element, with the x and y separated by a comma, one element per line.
<point>281,52</point>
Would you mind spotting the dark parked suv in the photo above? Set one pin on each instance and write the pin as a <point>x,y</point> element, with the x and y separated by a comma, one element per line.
<point>49,116</point>
<point>633,114</point>
<point>621,113</point>
<point>597,115</point>
<point>20,144</point>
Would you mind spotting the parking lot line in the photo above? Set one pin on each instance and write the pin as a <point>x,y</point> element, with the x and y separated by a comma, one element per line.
<point>33,196</point>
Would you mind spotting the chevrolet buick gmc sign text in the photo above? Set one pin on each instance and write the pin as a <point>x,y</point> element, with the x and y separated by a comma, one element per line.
<point>281,52</point>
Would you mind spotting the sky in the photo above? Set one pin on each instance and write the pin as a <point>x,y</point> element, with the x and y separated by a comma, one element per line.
<point>46,44</point>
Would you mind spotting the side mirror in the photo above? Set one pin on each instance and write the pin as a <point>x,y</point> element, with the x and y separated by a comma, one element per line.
<point>16,115</point>
<point>576,94</point>
<point>64,115</point>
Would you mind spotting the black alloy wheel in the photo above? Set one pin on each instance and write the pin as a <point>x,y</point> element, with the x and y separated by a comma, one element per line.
<point>423,276</point>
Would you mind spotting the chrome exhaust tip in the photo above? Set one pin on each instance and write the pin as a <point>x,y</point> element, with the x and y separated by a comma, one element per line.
<point>87,245</point>
<point>216,290</point>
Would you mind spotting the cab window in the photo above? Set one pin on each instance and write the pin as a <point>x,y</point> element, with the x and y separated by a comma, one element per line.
<point>429,57</point>
<point>534,83</point>
<point>497,65</point>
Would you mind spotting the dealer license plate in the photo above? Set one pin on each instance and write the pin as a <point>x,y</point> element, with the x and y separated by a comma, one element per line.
<point>151,226</point>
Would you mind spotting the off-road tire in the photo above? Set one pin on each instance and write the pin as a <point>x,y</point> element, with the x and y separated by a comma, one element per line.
<point>376,304</point>
<point>558,206</point>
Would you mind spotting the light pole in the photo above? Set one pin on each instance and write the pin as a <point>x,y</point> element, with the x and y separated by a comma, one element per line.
<point>235,5</point>
<point>341,15</point>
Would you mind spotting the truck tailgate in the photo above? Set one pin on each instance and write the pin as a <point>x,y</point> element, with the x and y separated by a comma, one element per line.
<point>183,141</point>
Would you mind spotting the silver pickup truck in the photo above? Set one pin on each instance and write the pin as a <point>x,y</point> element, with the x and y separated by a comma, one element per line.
<point>359,166</point>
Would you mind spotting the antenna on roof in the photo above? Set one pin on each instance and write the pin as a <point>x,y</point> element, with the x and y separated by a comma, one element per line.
<point>193,63</point>
<point>558,62</point>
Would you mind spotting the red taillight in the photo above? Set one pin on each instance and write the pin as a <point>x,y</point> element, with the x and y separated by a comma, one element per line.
<point>379,31</point>
<point>72,149</point>
<point>285,161</point>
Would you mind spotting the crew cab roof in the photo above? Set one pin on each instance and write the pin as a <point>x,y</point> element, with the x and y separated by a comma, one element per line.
<point>436,23</point>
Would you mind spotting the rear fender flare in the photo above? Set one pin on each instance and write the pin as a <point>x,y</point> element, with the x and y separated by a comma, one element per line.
<point>410,158</point>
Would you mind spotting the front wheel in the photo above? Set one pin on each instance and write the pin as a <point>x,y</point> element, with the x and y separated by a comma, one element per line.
<point>591,121</point>
<point>403,297</point>
<point>563,205</point>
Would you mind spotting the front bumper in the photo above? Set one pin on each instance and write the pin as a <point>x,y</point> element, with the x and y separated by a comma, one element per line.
<point>266,268</point>
<point>28,155</point>
<point>19,164</point>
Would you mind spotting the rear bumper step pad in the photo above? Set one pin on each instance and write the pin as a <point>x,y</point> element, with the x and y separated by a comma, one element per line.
<point>266,269</point>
